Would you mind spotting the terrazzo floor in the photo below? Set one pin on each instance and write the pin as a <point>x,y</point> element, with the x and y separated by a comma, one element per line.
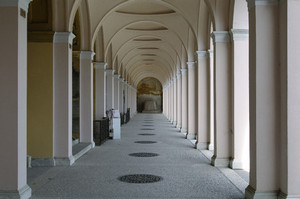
<point>185,171</point>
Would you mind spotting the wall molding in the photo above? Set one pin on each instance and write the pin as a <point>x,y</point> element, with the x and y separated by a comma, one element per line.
<point>100,65</point>
<point>87,55</point>
<point>239,34</point>
<point>63,37</point>
<point>220,36</point>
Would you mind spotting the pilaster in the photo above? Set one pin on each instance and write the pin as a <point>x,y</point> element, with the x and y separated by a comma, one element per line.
<point>222,98</point>
<point>184,100</point>
<point>100,90</point>
<point>86,97</point>
<point>13,101</point>
<point>192,101</point>
<point>110,89</point>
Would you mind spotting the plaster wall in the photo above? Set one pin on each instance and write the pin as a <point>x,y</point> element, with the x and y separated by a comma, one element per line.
<point>39,100</point>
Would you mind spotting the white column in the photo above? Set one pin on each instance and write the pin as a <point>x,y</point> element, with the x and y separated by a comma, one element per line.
<point>86,97</point>
<point>121,101</point>
<point>178,100</point>
<point>100,75</point>
<point>109,89</point>
<point>171,101</point>
<point>240,128</point>
<point>222,98</point>
<point>203,101</point>
<point>184,100</point>
<point>126,96</point>
<point>62,117</point>
<point>13,103</point>
<point>174,101</point>
<point>265,107</point>
<point>290,98</point>
<point>116,92</point>
<point>192,101</point>
<point>211,101</point>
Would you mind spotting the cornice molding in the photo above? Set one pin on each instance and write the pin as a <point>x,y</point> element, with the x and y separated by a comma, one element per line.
<point>220,36</point>
<point>110,71</point>
<point>87,55</point>
<point>63,37</point>
<point>191,64</point>
<point>183,71</point>
<point>239,34</point>
<point>15,3</point>
<point>253,3</point>
<point>100,65</point>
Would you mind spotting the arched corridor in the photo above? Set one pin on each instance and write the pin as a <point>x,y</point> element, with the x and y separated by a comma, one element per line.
<point>185,172</point>
<point>227,78</point>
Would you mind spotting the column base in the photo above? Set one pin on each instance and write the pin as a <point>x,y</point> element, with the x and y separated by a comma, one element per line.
<point>220,162</point>
<point>190,136</point>
<point>182,130</point>
<point>23,193</point>
<point>285,196</point>
<point>211,147</point>
<point>201,145</point>
<point>178,126</point>
<point>64,161</point>
<point>251,193</point>
<point>42,162</point>
<point>235,164</point>
<point>174,123</point>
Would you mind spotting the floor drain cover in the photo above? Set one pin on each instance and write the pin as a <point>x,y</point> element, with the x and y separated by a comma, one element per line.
<point>147,129</point>
<point>144,154</point>
<point>145,142</point>
<point>140,178</point>
<point>146,134</point>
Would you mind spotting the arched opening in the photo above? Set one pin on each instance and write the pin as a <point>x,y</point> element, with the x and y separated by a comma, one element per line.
<point>76,80</point>
<point>149,96</point>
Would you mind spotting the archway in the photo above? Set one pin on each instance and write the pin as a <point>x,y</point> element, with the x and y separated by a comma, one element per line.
<point>149,96</point>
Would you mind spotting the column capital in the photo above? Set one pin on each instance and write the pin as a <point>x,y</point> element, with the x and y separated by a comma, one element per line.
<point>63,37</point>
<point>117,76</point>
<point>87,55</point>
<point>239,34</point>
<point>203,54</point>
<point>253,3</point>
<point>191,64</point>
<point>183,71</point>
<point>121,79</point>
<point>110,71</point>
<point>178,75</point>
<point>100,65</point>
<point>14,3</point>
<point>220,36</point>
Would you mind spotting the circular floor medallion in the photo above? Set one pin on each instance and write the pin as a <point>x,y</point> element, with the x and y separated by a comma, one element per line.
<point>147,134</point>
<point>147,125</point>
<point>145,142</point>
<point>147,129</point>
<point>140,178</point>
<point>144,154</point>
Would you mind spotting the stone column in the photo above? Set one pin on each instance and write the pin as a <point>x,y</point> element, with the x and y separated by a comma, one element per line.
<point>121,101</point>
<point>13,101</point>
<point>211,101</point>
<point>240,128</point>
<point>109,89</point>
<point>184,100</point>
<point>100,89</point>
<point>117,92</point>
<point>174,101</point>
<point>203,101</point>
<point>62,102</point>
<point>171,101</point>
<point>192,101</point>
<point>86,99</point>
<point>126,96</point>
<point>264,75</point>
<point>222,98</point>
<point>290,98</point>
<point>178,100</point>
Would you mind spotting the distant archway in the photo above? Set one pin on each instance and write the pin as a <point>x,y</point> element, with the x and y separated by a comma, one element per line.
<point>149,96</point>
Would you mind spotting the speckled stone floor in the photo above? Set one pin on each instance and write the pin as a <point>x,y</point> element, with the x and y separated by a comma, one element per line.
<point>186,172</point>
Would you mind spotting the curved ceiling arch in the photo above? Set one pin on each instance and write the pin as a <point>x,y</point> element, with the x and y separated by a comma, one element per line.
<point>124,3</point>
<point>156,33</point>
